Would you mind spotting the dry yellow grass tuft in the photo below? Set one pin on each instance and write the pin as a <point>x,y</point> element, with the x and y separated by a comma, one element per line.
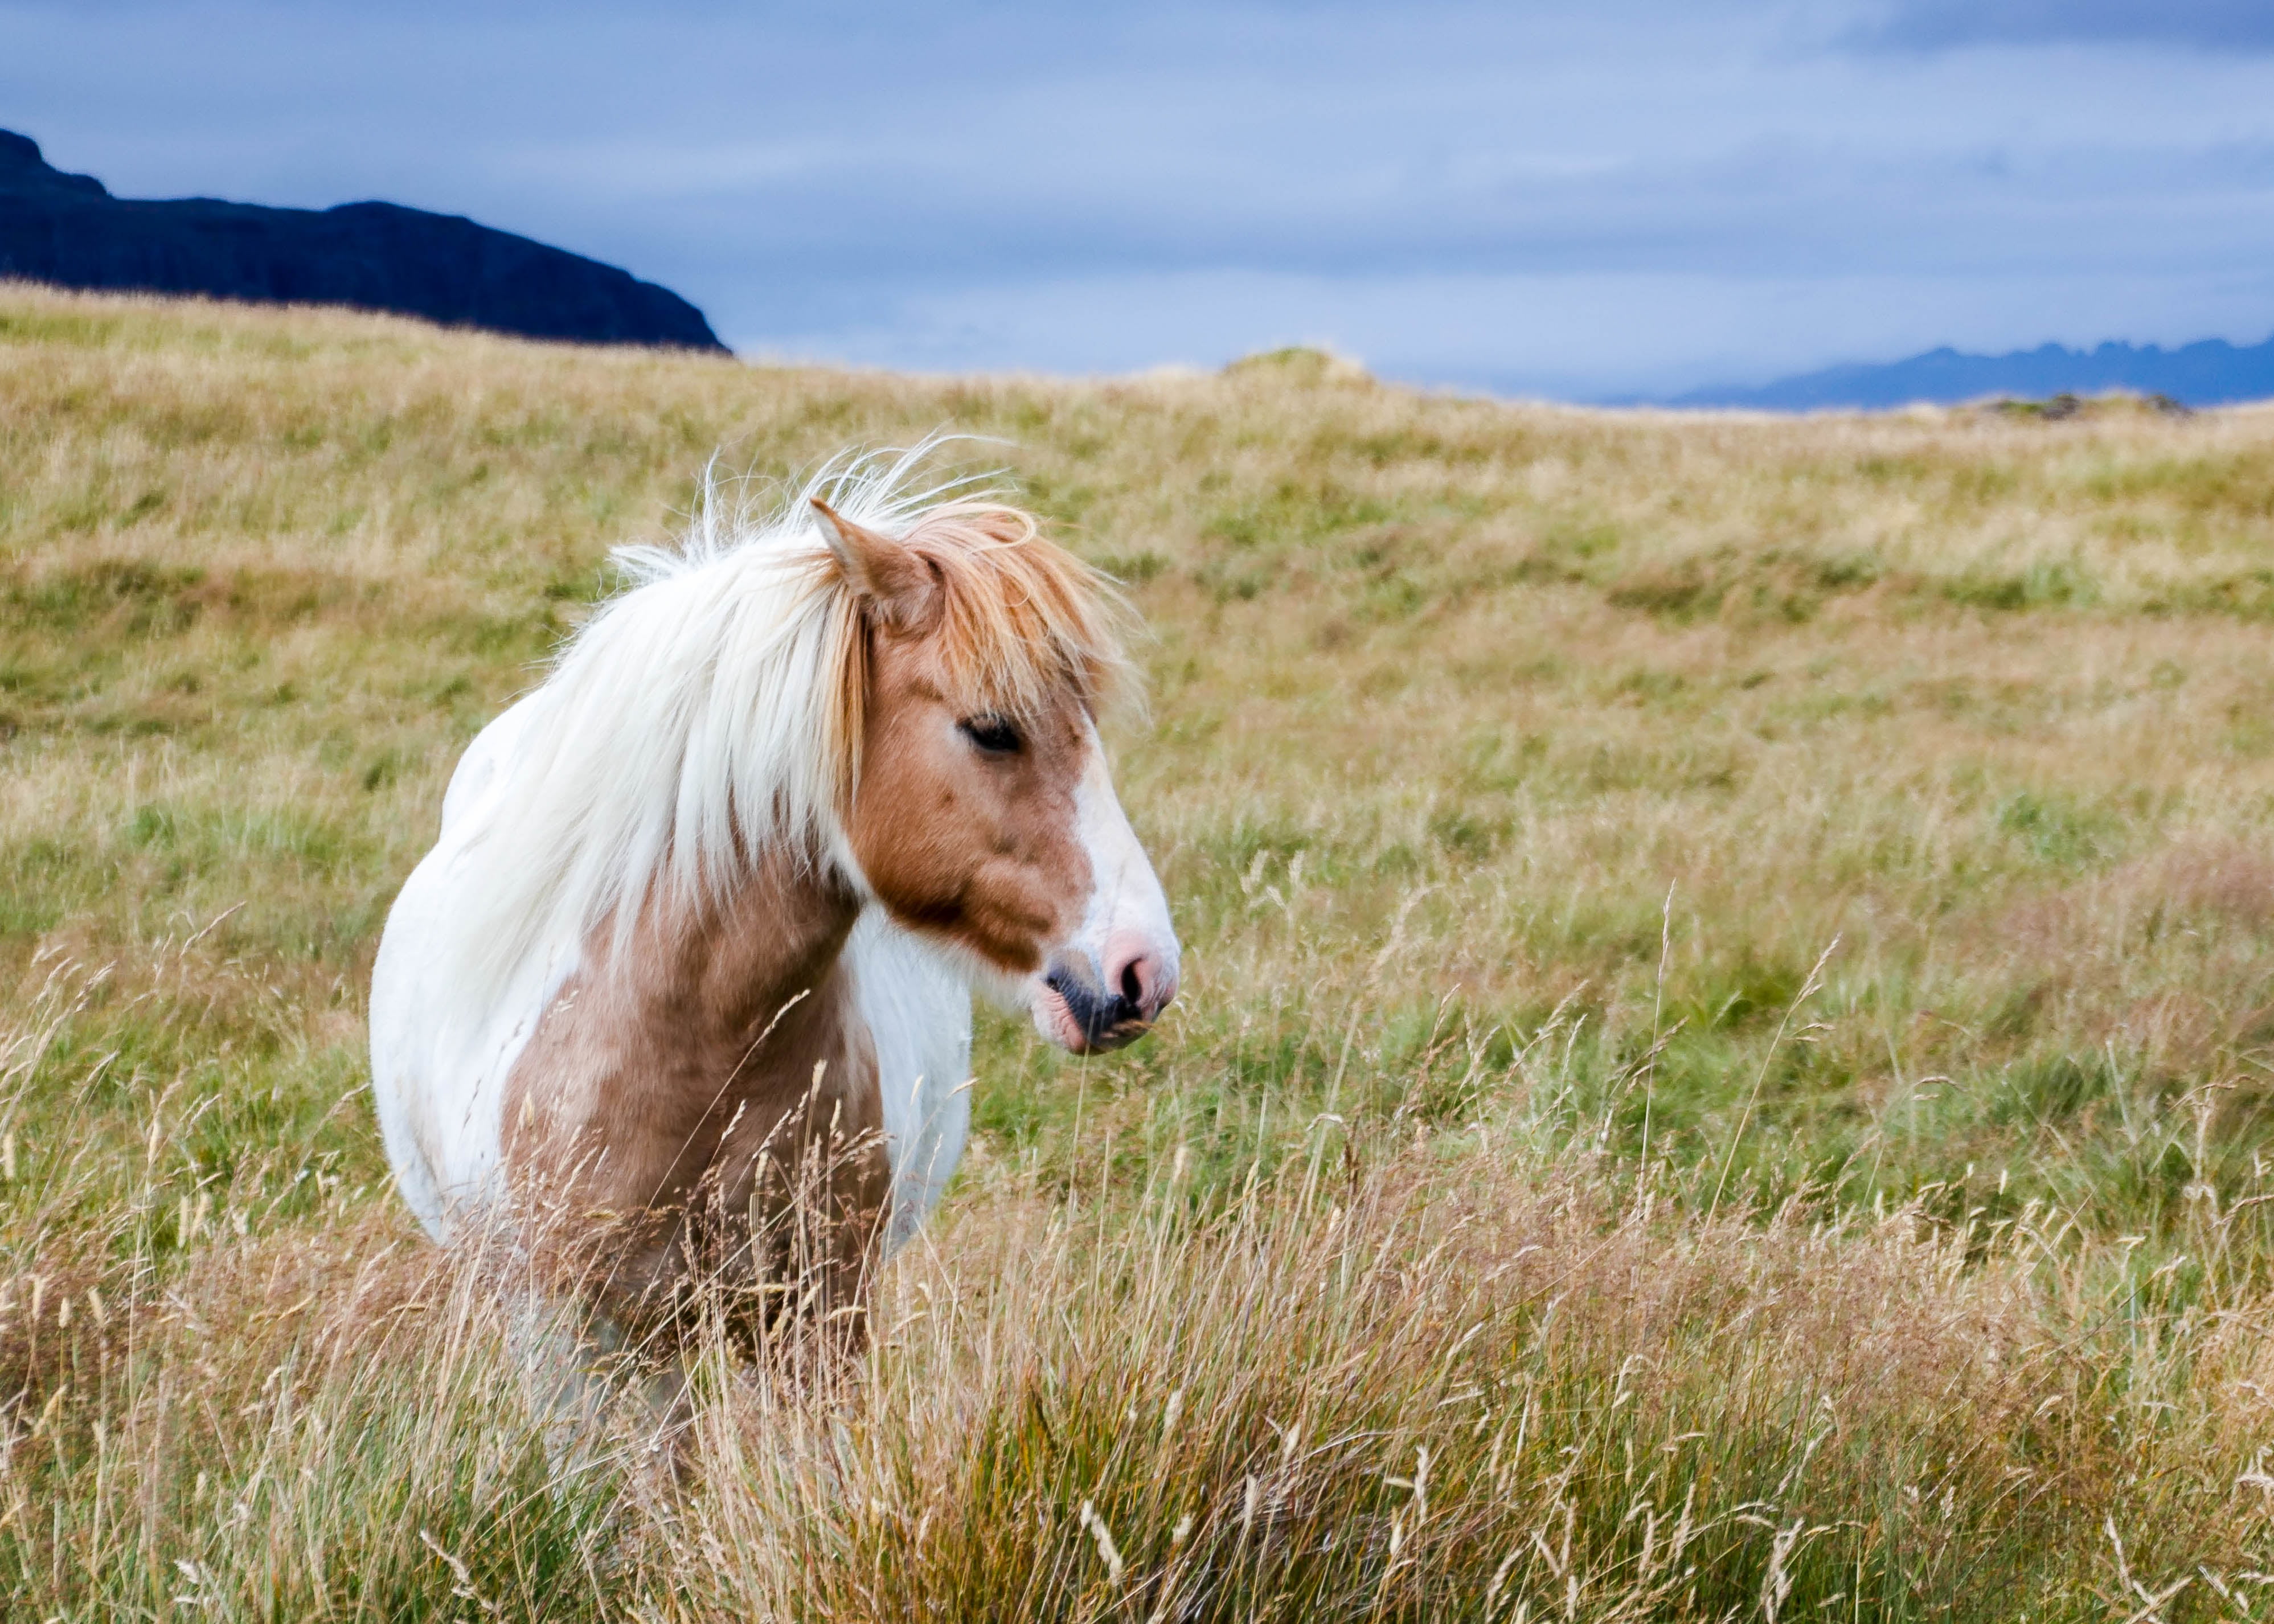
<point>1724,1069</point>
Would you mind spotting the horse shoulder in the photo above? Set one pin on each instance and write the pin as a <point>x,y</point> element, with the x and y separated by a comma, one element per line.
<point>477,770</point>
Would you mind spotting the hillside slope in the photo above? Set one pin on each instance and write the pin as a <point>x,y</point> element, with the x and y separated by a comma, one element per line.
<point>1723,1070</point>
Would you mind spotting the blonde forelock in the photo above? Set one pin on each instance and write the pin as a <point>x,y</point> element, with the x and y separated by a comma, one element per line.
<point>1022,618</point>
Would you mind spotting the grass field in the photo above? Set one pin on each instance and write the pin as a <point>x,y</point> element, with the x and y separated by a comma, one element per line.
<point>1724,1069</point>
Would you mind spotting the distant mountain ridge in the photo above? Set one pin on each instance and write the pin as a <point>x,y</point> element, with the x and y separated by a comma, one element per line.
<point>68,229</point>
<point>2212,372</point>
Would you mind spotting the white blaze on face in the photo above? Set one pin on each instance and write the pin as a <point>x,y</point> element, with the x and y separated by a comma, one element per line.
<point>1110,981</point>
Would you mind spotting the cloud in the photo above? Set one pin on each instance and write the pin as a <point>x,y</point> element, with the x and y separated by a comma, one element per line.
<point>2198,25</point>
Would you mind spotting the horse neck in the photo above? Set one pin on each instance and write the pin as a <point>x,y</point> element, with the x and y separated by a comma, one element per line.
<point>679,1062</point>
<point>655,1046</point>
<point>754,963</point>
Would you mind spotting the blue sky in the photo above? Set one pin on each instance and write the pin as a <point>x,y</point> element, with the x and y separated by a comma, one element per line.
<point>1630,197</point>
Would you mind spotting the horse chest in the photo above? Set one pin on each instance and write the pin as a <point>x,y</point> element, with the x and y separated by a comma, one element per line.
<point>637,1103</point>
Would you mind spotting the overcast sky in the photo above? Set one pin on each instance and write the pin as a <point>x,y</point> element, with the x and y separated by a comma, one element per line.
<point>1627,197</point>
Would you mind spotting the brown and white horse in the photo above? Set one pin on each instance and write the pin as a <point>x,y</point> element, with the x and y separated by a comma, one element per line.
<point>719,891</point>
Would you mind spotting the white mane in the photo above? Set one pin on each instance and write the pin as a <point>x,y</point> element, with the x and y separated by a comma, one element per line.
<point>698,718</point>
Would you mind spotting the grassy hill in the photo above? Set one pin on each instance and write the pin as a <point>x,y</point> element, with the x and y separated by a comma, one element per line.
<point>1724,1071</point>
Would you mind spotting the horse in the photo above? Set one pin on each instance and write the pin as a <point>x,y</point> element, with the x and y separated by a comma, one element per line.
<point>690,965</point>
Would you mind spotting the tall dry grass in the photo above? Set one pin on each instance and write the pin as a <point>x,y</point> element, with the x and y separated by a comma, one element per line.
<point>1723,1073</point>
<point>1443,1375</point>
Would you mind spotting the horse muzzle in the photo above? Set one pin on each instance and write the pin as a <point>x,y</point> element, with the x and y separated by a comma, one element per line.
<point>1086,1013</point>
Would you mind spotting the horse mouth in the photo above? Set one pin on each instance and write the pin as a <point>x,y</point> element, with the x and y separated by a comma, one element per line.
<point>1084,1019</point>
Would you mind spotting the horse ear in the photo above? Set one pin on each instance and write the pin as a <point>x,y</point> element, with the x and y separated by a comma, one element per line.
<point>888,576</point>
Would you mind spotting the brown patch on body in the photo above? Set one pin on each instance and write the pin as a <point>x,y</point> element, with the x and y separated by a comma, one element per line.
<point>699,1103</point>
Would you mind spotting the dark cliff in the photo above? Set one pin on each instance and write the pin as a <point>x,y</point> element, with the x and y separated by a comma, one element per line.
<point>70,230</point>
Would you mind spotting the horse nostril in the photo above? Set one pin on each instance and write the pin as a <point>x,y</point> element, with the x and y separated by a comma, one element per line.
<point>1144,986</point>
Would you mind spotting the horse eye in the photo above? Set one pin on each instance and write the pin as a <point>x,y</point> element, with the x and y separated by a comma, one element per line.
<point>992,733</point>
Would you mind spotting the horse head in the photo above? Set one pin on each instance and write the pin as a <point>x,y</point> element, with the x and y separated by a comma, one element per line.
<point>980,810</point>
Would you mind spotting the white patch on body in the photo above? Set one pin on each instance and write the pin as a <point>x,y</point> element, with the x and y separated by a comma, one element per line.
<point>438,1084</point>
<point>917,1004</point>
